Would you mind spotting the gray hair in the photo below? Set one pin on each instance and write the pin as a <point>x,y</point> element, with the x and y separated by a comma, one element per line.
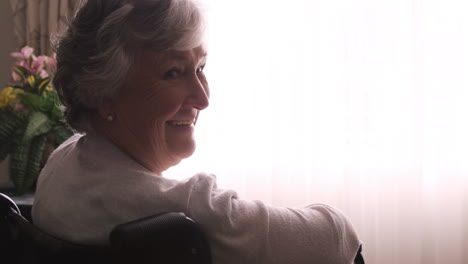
<point>95,54</point>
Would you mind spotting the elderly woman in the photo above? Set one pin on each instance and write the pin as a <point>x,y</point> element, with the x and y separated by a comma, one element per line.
<point>130,73</point>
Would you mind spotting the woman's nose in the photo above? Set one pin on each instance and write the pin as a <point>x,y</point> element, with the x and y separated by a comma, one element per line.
<point>199,94</point>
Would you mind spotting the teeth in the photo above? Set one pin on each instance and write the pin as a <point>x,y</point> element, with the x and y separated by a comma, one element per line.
<point>180,122</point>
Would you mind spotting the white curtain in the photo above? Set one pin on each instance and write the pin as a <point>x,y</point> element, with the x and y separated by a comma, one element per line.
<point>36,21</point>
<point>359,104</point>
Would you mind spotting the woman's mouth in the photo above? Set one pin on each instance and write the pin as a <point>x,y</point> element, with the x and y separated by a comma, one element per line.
<point>180,122</point>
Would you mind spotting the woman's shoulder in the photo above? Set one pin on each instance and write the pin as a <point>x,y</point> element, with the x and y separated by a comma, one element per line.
<point>66,146</point>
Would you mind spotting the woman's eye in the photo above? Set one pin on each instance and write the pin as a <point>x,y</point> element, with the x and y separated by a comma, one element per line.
<point>172,73</point>
<point>200,69</point>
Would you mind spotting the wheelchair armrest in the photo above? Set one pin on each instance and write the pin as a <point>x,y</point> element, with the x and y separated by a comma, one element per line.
<point>169,238</point>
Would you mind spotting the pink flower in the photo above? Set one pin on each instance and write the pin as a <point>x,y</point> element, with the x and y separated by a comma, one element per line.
<point>37,65</point>
<point>43,74</point>
<point>15,77</point>
<point>51,63</point>
<point>16,67</point>
<point>24,54</point>
<point>30,65</point>
<point>23,63</point>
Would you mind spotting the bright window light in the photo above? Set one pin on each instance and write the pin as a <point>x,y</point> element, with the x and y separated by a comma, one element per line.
<point>359,104</point>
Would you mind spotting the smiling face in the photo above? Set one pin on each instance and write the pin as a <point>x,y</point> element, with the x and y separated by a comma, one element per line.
<point>155,113</point>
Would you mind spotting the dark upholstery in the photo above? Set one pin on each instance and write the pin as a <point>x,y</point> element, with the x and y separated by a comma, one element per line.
<point>166,238</point>
<point>169,238</point>
<point>359,258</point>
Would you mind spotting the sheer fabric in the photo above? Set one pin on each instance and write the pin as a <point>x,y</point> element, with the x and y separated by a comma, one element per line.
<point>35,21</point>
<point>358,104</point>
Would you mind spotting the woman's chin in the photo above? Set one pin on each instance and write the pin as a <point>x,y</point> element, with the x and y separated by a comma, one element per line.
<point>182,149</point>
<point>180,141</point>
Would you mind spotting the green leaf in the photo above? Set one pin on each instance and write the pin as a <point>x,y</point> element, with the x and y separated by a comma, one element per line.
<point>52,102</point>
<point>53,106</point>
<point>39,123</point>
<point>43,85</point>
<point>18,166</point>
<point>22,69</point>
<point>6,149</point>
<point>19,72</point>
<point>57,114</point>
<point>11,123</point>
<point>61,133</point>
<point>25,164</point>
<point>33,101</point>
<point>33,168</point>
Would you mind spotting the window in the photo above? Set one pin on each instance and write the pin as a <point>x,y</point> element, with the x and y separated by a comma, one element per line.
<point>359,104</point>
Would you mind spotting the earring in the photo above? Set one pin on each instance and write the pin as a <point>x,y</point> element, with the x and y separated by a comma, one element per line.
<point>110,118</point>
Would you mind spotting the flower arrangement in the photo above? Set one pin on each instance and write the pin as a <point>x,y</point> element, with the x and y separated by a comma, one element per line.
<point>31,120</point>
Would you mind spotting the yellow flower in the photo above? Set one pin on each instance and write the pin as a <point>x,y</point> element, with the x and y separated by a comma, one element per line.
<point>49,88</point>
<point>8,96</point>
<point>31,81</point>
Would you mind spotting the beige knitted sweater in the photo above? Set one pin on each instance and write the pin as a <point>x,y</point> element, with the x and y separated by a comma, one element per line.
<point>89,186</point>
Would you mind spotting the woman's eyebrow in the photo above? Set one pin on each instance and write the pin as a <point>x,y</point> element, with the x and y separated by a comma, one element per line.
<point>185,58</point>
<point>180,57</point>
